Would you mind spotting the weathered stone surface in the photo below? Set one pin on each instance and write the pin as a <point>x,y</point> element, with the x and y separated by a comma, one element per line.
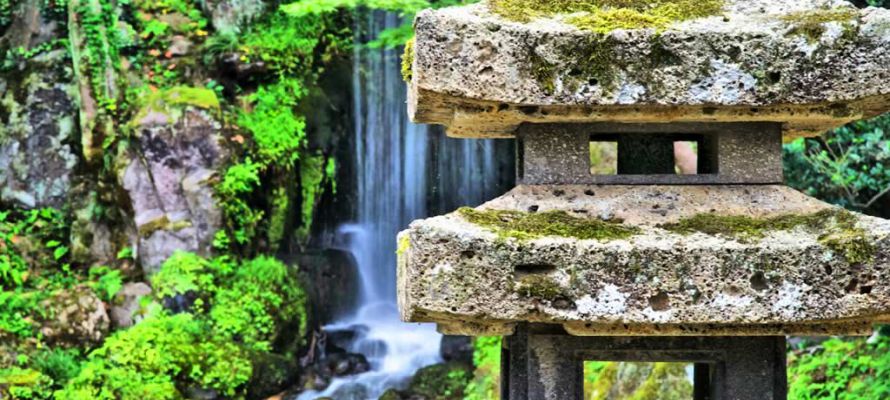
<point>798,279</point>
<point>169,182</point>
<point>483,75</point>
<point>127,304</point>
<point>37,133</point>
<point>74,317</point>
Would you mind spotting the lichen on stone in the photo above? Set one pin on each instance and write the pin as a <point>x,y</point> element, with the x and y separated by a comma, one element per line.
<point>539,287</point>
<point>543,71</point>
<point>523,226</point>
<point>812,23</point>
<point>408,60</point>
<point>837,229</point>
<point>603,16</point>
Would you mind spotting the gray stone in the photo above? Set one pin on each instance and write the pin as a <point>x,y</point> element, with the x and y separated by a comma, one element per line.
<point>169,180</point>
<point>473,281</point>
<point>228,16</point>
<point>475,71</point>
<point>127,304</point>
<point>36,154</point>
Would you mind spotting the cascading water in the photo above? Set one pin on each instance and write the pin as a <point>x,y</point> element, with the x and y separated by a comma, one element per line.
<point>403,172</point>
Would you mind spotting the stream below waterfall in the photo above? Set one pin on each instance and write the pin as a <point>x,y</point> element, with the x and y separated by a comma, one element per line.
<point>403,172</point>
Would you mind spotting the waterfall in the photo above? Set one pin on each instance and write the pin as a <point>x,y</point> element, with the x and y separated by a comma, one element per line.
<point>403,172</point>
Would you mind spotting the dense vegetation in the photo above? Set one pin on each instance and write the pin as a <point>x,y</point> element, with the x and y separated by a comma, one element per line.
<point>228,325</point>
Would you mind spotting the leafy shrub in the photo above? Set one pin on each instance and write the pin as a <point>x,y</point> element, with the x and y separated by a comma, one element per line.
<point>30,240</point>
<point>261,299</point>
<point>841,369</point>
<point>148,360</point>
<point>487,361</point>
<point>849,167</point>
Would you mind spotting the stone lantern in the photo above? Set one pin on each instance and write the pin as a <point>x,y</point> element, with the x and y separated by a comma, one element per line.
<point>714,266</point>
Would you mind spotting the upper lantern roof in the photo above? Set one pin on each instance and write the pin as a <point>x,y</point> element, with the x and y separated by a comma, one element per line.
<point>483,69</point>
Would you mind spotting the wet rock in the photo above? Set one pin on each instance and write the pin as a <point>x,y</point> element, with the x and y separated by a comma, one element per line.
<point>439,382</point>
<point>272,373</point>
<point>228,16</point>
<point>335,275</point>
<point>169,175</point>
<point>344,364</point>
<point>125,311</point>
<point>457,348</point>
<point>74,317</point>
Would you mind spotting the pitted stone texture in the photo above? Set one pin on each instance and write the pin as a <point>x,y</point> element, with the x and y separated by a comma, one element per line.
<point>464,276</point>
<point>475,71</point>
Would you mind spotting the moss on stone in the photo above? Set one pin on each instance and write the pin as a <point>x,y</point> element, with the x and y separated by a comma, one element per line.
<point>603,16</point>
<point>170,101</point>
<point>522,225</point>
<point>837,227</point>
<point>408,60</point>
<point>544,72</point>
<point>812,23</point>
<point>404,245</point>
<point>539,287</point>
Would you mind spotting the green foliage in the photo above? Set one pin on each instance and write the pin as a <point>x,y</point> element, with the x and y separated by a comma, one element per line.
<point>845,369</point>
<point>101,48</point>
<point>17,309</point>
<point>849,167</point>
<point>31,240</point>
<point>105,282</point>
<point>148,360</point>
<point>277,131</point>
<point>239,181</point>
<point>261,298</point>
<point>485,384</point>
<point>182,273</point>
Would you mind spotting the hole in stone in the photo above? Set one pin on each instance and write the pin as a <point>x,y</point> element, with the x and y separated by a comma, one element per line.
<point>593,82</point>
<point>559,192</point>
<point>851,287</point>
<point>590,192</point>
<point>865,289</point>
<point>758,282</point>
<point>534,268</point>
<point>828,270</point>
<point>660,302</point>
<point>468,254</point>
<point>533,208</point>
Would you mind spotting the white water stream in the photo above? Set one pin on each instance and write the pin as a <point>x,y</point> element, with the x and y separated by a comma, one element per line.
<point>393,158</point>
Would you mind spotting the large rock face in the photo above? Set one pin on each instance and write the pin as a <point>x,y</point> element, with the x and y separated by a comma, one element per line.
<point>37,131</point>
<point>169,174</point>
<point>811,64</point>
<point>648,260</point>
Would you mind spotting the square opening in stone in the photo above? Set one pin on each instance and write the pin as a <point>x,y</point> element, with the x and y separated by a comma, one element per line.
<point>652,154</point>
<point>639,380</point>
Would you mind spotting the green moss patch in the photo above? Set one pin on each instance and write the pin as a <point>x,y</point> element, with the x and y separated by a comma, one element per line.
<point>812,23</point>
<point>603,16</point>
<point>538,286</point>
<point>837,227</point>
<point>408,60</point>
<point>521,225</point>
